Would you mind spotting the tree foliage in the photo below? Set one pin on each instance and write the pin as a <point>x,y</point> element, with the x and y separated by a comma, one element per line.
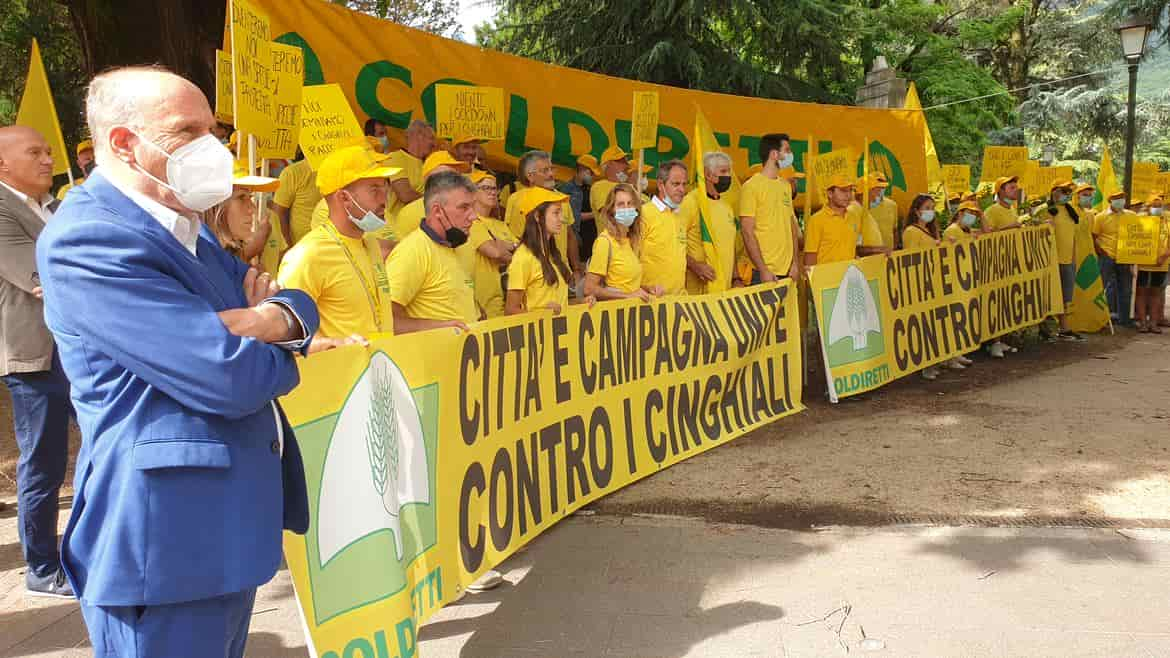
<point>436,16</point>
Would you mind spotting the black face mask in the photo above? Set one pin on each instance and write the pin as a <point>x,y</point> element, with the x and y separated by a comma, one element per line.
<point>454,237</point>
<point>723,184</point>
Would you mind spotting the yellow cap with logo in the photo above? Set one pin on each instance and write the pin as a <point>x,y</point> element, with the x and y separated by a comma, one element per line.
<point>84,145</point>
<point>533,197</point>
<point>443,159</point>
<point>612,154</point>
<point>590,163</point>
<point>349,164</point>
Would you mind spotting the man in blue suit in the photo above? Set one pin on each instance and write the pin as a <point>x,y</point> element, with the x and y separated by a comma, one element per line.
<point>176,353</point>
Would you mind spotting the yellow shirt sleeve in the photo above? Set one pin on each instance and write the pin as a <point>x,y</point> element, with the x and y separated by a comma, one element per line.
<point>749,199</point>
<point>602,256</point>
<point>288,186</point>
<point>813,231</point>
<point>320,214</point>
<point>406,271</point>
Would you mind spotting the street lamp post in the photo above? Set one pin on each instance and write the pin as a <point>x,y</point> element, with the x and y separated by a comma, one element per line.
<point>1134,33</point>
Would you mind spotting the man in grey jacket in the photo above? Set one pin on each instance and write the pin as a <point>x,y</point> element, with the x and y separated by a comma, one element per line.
<point>28,361</point>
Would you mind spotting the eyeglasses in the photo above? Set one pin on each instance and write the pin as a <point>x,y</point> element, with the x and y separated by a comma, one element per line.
<point>488,188</point>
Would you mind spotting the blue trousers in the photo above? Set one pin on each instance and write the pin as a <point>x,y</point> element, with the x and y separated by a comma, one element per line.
<point>1118,283</point>
<point>40,411</point>
<point>210,628</point>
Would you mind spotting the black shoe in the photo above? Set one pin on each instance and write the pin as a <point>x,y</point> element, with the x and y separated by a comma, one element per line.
<point>53,585</point>
<point>1072,336</point>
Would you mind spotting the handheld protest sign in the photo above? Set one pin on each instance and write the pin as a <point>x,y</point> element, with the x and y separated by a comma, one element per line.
<point>644,126</point>
<point>957,178</point>
<point>224,87</point>
<point>287,84</point>
<point>252,67</point>
<point>327,123</point>
<point>834,163</point>
<point>1000,161</point>
<point>477,112</point>
<point>1145,179</point>
<point>1138,239</point>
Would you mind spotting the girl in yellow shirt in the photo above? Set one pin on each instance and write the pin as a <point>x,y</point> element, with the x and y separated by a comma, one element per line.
<point>615,270</point>
<point>235,225</point>
<point>538,277</point>
<point>921,228</point>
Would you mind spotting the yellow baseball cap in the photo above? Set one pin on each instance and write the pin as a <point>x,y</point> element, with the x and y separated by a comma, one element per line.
<point>464,138</point>
<point>533,197</point>
<point>590,163</point>
<point>1153,198</point>
<point>443,158</point>
<point>970,206</point>
<point>374,143</point>
<point>612,154</point>
<point>840,181</point>
<point>349,164</point>
<point>242,178</point>
<point>1085,187</point>
<point>1119,194</point>
<point>479,174</point>
<point>1004,180</point>
<point>875,181</point>
<point>84,145</point>
<point>1061,185</point>
<point>954,196</point>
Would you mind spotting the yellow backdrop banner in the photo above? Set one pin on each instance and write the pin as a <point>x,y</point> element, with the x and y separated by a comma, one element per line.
<point>424,472</point>
<point>884,317</point>
<point>389,72</point>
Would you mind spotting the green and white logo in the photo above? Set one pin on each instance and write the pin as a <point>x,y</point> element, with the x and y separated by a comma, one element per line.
<point>372,475</point>
<point>854,328</point>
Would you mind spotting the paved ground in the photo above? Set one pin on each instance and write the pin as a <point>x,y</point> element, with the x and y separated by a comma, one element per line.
<point>662,587</point>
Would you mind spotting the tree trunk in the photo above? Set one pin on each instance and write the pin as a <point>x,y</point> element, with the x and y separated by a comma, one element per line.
<point>181,35</point>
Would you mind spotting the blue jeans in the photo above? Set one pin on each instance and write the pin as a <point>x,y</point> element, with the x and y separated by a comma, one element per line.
<point>40,411</point>
<point>1118,282</point>
<point>210,628</point>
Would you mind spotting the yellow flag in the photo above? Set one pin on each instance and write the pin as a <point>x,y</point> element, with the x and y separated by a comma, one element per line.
<point>1106,181</point>
<point>705,142</point>
<point>38,112</point>
<point>934,175</point>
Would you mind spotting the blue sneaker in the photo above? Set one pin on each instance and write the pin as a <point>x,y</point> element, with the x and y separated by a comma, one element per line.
<point>53,585</point>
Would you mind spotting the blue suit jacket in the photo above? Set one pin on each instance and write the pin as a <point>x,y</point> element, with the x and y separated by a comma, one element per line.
<point>181,492</point>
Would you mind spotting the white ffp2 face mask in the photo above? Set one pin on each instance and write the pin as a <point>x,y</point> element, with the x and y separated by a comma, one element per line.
<point>198,172</point>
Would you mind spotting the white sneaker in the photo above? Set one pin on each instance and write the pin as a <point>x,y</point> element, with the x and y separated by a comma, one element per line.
<point>995,350</point>
<point>491,579</point>
<point>954,364</point>
<point>930,373</point>
<point>964,360</point>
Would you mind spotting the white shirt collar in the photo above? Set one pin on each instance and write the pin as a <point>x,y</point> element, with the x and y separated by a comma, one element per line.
<point>40,209</point>
<point>661,205</point>
<point>185,229</point>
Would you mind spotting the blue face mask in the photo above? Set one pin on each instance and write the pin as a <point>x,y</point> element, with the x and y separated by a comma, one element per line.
<point>1117,205</point>
<point>368,222</point>
<point>1156,211</point>
<point>926,216</point>
<point>785,161</point>
<point>669,202</point>
<point>968,219</point>
<point>625,216</point>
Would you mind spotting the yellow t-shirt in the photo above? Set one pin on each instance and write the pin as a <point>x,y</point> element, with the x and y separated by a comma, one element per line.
<point>405,222</point>
<point>916,238</point>
<point>865,226</point>
<point>1105,229</point>
<point>724,231</point>
<point>769,201</point>
<point>599,192</point>
<point>998,216</point>
<point>1163,245</point>
<point>831,236</point>
<point>326,265</point>
<point>664,249</point>
<point>412,173</point>
<point>515,221</point>
<point>428,281</point>
<point>525,273</point>
<point>886,216</point>
<point>955,232</point>
<point>298,192</point>
<point>616,262</point>
<point>274,246</point>
<point>1065,231</point>
<point>485,272</point>
<point>68,186</point>
<point>320,214</point>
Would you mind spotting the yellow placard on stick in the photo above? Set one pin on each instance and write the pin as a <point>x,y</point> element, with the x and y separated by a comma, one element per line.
<point>957,178</point>
<point>1138,239</point>
<point>1145,180</point>
<point>1003,161</point>
<point>841,161</point>
<point>288,81</point>
<point>644,128</point>
<point>252,61</point>
<point>1045,177</point>
<point>462,111</point>
<point>37,110</point>
<point>224,87</point>
<point>327,123</point>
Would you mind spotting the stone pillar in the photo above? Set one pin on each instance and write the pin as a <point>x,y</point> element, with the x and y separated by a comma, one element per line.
<point>883,88</point>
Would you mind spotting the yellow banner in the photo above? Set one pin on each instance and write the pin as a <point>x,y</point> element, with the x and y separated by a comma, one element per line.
<point>424,472</point>
<point>327,123</point>
<point>390,72</point>
<point>645,130</point>
<point>224,87</point>
<point>1145,180</point>
<point>286,83</point>
<point>1138,239</point>
<point>252,61</point>
<point>999,161</point>
<point>957,178</point>
<point>884,317</point>
<point>463,111</point>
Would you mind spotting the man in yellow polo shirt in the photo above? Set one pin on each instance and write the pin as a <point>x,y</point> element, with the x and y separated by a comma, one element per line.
<point>407,185</point>
<point>1001,215</point>
<point>465,148</point>
<point>884,210</point>
<point>722,227</point>
<point>410,215</point>
<point>830,236</point>
<point>339,264</point>
<point>429,288</point>
<point>664,233</point>
<point>615,165</point>
<point>766,216</point>
<point>295,199</point>
<point>84,164</point>
<point>535,170</point>
<point>1116,278</point>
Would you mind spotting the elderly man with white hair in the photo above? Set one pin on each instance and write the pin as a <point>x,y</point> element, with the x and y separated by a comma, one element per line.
<point>721,226</point>
<point>176,352</point>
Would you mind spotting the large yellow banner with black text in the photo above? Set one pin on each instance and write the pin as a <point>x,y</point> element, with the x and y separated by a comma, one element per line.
<point>884,317</point>
<point>431,457</point>
<point>390,72</point>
